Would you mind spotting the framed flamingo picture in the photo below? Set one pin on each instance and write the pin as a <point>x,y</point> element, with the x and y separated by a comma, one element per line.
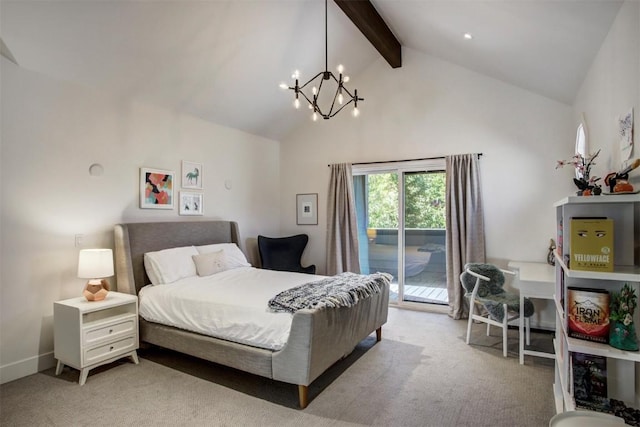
<point>191,175</point>
<point>156,188</point>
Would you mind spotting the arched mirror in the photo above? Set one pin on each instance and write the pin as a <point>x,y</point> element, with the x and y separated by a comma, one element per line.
<point>581,141</point>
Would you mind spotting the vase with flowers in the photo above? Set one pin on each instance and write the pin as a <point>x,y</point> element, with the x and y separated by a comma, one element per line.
<point>587,184</point>
<point>622,333</point>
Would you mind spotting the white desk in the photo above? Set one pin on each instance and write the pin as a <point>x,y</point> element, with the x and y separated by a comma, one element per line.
<point>537,280</point>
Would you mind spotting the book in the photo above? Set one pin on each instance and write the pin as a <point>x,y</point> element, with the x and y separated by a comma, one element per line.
<point>559,238</point>
<point>589,374</point>
<point>588,314</point>
<point>562,288</point>
<point>591,244</point>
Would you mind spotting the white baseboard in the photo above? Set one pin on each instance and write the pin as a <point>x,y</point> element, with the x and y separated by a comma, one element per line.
<point>26,367</point>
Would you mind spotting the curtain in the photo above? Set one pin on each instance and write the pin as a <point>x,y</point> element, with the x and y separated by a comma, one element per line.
<point>342,230</point>
<point>465,225</point>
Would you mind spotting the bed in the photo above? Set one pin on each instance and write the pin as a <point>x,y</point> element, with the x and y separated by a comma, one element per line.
<point>317,337</point>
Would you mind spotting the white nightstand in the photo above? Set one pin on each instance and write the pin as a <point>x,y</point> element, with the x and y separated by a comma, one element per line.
<point>88,334</point>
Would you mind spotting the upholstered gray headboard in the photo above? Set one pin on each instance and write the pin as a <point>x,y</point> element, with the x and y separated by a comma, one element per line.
<point>133,240</point>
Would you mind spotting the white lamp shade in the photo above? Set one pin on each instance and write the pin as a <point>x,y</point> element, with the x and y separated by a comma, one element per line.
<point>95,263</point>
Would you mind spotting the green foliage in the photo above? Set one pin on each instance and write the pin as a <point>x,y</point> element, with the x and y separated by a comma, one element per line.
<point>425,200</point>
<point>383,200</point>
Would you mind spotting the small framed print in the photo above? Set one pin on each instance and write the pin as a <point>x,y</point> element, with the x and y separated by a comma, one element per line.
<point>191,175</point>
<point>156,188</point>
<point>307,209</point>
<point>191,203</point>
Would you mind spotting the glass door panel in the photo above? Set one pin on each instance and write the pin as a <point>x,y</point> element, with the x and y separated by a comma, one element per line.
<point>377,212</point>
<point>424,222</point>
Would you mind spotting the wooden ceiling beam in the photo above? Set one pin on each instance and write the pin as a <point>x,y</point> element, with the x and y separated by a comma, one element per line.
<point>365,16</point>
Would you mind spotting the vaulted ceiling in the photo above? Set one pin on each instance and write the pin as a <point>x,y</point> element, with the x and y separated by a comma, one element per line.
<point>222,60</point>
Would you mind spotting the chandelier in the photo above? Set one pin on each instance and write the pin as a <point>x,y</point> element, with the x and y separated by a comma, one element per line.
<point>333,102</point>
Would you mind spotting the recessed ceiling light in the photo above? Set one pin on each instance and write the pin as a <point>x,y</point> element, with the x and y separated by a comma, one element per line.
<point>468,36</point>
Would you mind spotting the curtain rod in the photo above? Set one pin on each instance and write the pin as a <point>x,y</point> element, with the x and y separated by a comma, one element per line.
<point>407,160</point>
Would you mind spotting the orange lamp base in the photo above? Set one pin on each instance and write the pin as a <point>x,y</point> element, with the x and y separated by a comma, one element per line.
<point>96,290</point>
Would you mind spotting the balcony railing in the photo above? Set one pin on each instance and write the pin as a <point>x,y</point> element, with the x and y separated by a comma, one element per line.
<point>425,261</point>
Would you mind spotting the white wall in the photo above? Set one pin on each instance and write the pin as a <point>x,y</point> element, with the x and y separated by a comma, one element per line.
<point>52,132</point>
<point>428,108</point>
<point>611,88</point>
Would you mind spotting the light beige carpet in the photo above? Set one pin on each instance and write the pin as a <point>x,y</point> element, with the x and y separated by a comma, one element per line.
<point>421,374</point>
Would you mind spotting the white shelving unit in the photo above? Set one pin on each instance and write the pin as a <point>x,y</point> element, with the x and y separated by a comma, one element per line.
<point>623,369</point>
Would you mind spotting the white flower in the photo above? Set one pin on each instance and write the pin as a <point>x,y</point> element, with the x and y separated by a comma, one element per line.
<point>627,319</point>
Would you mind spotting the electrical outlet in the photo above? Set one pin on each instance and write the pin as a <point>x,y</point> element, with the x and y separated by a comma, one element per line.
<point>79,240</point>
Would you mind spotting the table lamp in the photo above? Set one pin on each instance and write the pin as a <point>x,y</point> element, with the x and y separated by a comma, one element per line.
<point>95,265</point>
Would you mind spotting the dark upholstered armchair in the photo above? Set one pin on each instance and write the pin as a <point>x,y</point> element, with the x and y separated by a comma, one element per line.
<point>284,253</point>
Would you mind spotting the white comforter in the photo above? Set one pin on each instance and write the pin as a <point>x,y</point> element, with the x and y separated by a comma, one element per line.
<point>231,305</point>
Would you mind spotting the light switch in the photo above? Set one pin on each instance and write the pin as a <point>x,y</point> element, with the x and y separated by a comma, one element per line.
<point>79,240</point>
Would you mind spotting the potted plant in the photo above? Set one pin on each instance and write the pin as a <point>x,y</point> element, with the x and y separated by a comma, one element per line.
<point>587,185</point>
<point>622,334</point>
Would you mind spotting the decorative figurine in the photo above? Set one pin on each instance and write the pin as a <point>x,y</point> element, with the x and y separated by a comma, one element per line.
<point>551,258</point>
<point>618,181</point>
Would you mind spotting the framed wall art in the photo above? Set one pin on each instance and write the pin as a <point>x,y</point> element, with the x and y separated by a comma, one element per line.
<point>191,203</point>
<point>307,209</point>
<point>191,175</point>
<point>625,123</point>
<point>156,188</point>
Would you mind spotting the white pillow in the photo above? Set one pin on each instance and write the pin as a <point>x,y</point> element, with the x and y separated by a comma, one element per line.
<point>210,263</point>
<point>169,265</point>
<point>235,257</point>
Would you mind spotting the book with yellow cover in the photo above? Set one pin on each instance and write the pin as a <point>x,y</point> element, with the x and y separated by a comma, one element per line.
<point>591,246</point>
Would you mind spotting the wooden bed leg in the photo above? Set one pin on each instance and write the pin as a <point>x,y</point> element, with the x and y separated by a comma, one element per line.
<point>303,395</point>
<point>379,334</point>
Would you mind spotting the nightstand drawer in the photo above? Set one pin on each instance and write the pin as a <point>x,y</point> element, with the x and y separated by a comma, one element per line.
<point>112,349</point>
<point>109,331</point>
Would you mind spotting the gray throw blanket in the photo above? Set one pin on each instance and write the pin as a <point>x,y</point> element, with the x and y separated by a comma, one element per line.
<point>343,290</point>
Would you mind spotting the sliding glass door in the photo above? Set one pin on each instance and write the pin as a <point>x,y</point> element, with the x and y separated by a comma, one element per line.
<point>425,269</point>
<point>401,223</point>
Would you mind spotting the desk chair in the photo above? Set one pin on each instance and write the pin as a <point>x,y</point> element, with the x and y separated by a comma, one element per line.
<point>483,284</point>
<point>284,253</point>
